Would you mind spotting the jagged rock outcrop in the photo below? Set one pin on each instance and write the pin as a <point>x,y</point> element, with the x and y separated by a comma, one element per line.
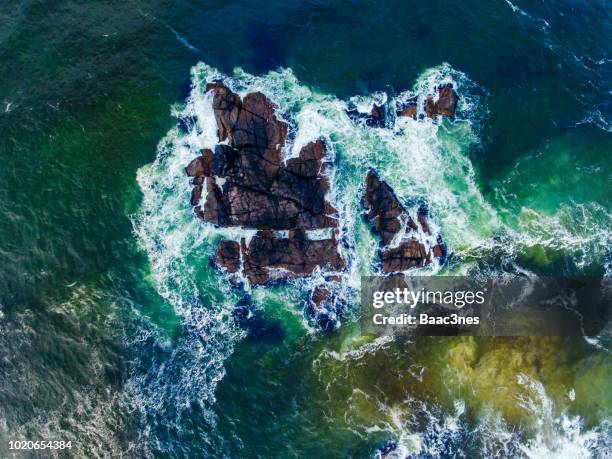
<point>384,209</point>
<point>443,103</point>
<point>405,243</point>
<point>245,182</point>
<point>446,103</point>
<point>266,258</point>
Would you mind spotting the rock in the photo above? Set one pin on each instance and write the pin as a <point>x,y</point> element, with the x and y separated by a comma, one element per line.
<point>376,118</point>
<point>410,111</point>
<point>266,258</point>
<point>391,220</point>
<point>228,256</point>
<point>196,194</point>
<point>320,295</point>
<point>384,209</point>
<point>293,198</point>
<point>438,250</point>
<point>325,305</point>
<point>422,215</point>
<point>201,166</point>
<point>447,101</point>
<point>409,108</point>
<point>409,254</point>
<point>216,206</point>
<point>259,190</point>
<point>248,184</point>
<point>445,105</point>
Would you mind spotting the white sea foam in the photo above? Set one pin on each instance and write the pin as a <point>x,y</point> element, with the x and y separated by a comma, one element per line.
<point>178,247</point>
<point>558,435</point>
<point>545,434</point>
<point>541,21</point>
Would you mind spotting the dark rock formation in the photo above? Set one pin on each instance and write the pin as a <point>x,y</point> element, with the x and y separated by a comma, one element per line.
<point>390,220</point>
<point>408,111</point>
<point>266,258</point>
<point>384,209</point>
<point>409,254</point>
<point>446,103</point>
<point>228,255</point>
<point>391,451</point>
<point>260,191</point>
<point>246,183</point>
<point>325,304</point>
<point>201,166</point>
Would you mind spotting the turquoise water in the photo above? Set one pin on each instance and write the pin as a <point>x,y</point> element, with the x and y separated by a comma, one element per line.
<point>117,333</point>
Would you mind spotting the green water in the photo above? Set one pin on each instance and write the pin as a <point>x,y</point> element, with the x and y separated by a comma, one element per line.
<point>117,334</point>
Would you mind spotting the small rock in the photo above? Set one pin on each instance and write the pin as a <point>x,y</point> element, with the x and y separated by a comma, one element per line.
<point>410,111</point>
<point>320,295</point>
<point>228,256</point>
<point>376,118</point>
<point>388,217</point>
<point>409,254</point>
<point>446,103</point>
<point>201,166</point>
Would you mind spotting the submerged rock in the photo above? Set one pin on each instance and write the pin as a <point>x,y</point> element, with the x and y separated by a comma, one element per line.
<point>406,243</point>
<point>446,103</point>
<point>393,451</point>
<point>247,183</point>
<point>326,303</point>
<point>408,111</point>
<point>254,322</point>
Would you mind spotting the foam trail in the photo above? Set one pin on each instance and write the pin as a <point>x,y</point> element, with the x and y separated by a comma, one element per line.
<point>178,248</point>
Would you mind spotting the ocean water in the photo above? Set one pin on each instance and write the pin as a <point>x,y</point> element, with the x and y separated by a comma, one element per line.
<point>118,334</point>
